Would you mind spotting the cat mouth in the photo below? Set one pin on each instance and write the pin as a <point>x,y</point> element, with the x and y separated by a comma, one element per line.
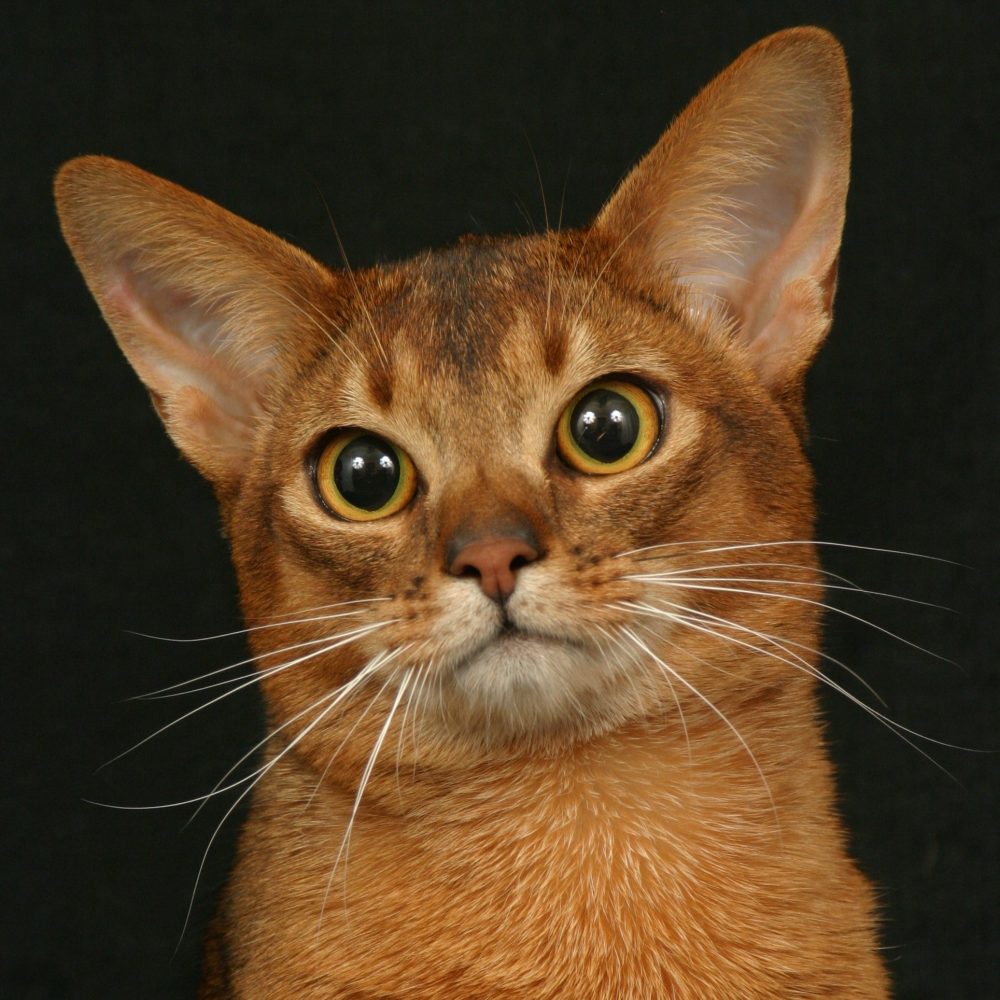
<point>525,680</point>
<point>508,630</point>
<point>514,642</point>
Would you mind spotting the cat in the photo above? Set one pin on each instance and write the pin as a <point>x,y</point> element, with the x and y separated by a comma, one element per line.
<point>522,532</point>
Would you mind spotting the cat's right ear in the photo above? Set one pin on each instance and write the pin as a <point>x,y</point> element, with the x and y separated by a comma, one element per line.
<point>211,311</point>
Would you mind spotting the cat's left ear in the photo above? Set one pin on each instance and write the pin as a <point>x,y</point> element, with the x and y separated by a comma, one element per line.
<point>741,202</point>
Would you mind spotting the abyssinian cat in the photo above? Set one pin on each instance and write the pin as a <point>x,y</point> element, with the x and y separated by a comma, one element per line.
<point>522,529</point>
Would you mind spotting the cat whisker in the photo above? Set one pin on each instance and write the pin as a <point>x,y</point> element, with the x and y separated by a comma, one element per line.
<point>549,244</point>
<point>204,859</point>
<point>538,175</point>
<point>630,634</point>
<point>522,210</point>
<point>173,690</point>
<point>338,694</point>
<point>388,658</point>
<point>572,274</point>
<point>680,577</point>
<point>782,644</point>
<point>261,628</point>
<point>762,564</point>
<point>354,682</point>
<point>319,326</point>
<point>611,257</point>
<point>410,704</point>
<point>895,727</point>
<point>343,641</point>
<point>354,282</point>
<point>283,617</point>
<point>579,257</point>
<point>731,546</point>
<point>617,647</point>
<point>362,785</point>
<point>423,694</point>
<point>358,355</point>
<point>804,600</point>
<point>632,654</point>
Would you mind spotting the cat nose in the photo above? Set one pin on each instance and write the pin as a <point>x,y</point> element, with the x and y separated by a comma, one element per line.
<point>495,560</point>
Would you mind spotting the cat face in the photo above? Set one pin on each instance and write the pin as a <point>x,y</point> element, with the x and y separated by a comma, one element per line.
<point>465,363</point>
<point>502,484</point>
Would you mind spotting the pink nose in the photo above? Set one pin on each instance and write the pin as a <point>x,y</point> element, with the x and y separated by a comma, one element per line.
<point>495,561</point>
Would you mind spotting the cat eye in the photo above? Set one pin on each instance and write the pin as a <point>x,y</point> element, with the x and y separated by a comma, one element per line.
<point>360,476</point>
<point>609,426</point>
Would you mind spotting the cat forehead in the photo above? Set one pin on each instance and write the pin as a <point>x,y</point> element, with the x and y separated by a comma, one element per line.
<point>474,350</point>
<point>490,317</point>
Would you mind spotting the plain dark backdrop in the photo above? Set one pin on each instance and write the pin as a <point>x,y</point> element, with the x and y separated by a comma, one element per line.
<point>417,123</point>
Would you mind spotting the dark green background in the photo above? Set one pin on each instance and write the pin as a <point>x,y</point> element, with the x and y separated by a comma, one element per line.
<point>417,123</point>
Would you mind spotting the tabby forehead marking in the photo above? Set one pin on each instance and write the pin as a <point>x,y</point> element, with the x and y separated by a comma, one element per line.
<point>469,309</point>
<point>381,383</point>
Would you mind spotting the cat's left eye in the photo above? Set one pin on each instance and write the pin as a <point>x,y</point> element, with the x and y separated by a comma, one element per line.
<point>360,476</point>
<point>609,426</point>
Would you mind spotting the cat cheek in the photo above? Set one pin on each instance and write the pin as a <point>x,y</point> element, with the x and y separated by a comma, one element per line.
<point>567,603</point>
<point>455,623</point>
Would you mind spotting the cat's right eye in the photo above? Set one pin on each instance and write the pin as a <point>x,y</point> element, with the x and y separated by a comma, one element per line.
<point>360,476</point>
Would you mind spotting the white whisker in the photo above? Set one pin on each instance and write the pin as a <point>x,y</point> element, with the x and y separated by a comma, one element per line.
<point>263,771</point>
<point>891,724</point>
<point>677,577</point>
<point>768,564</point>
<point>245,684</point>
<point>173,690</point>
<point>417,678</point>
<point>610,259</point>
<point>362,785</point>
<point>422,693</point>
<point>282,617</point>
<point>782,644</point>
<point>358,356</point>
<point>338,694</point>
<point>673,691</point>
<point>260,628</point>
<point>388,658</point>
<point>805,600</point>
<point>731,546</point>
<point>721,715</point>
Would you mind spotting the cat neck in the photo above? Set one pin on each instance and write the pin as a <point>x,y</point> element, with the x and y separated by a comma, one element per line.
<point>674,781</point>
<point>645,838</point>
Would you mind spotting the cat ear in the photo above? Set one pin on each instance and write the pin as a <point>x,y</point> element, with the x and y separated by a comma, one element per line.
<point>209,309</point>
<point>741,202</point>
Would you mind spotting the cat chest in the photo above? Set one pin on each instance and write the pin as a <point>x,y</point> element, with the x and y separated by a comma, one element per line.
<point>569,909</point>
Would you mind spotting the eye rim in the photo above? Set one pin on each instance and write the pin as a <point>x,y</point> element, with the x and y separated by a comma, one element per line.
<point>649,407</point>
<point>325,454</point>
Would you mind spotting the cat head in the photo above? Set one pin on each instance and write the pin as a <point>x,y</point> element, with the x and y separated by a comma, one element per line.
<point>486,482</point>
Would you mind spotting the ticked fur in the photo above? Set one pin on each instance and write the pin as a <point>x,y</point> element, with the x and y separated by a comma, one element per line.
<point>613,784</point>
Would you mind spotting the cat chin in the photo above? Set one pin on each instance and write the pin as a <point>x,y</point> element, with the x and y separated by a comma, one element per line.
<point>527,686</point>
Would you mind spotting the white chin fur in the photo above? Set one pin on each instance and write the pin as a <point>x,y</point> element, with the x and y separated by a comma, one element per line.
<point>525,685</point>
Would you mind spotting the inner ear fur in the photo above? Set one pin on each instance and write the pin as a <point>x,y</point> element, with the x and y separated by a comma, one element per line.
<point>739,207</point>
<point>211,311</point>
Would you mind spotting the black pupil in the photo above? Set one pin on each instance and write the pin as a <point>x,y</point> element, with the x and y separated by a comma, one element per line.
<point>366,472</point>
<point>605,425</point>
